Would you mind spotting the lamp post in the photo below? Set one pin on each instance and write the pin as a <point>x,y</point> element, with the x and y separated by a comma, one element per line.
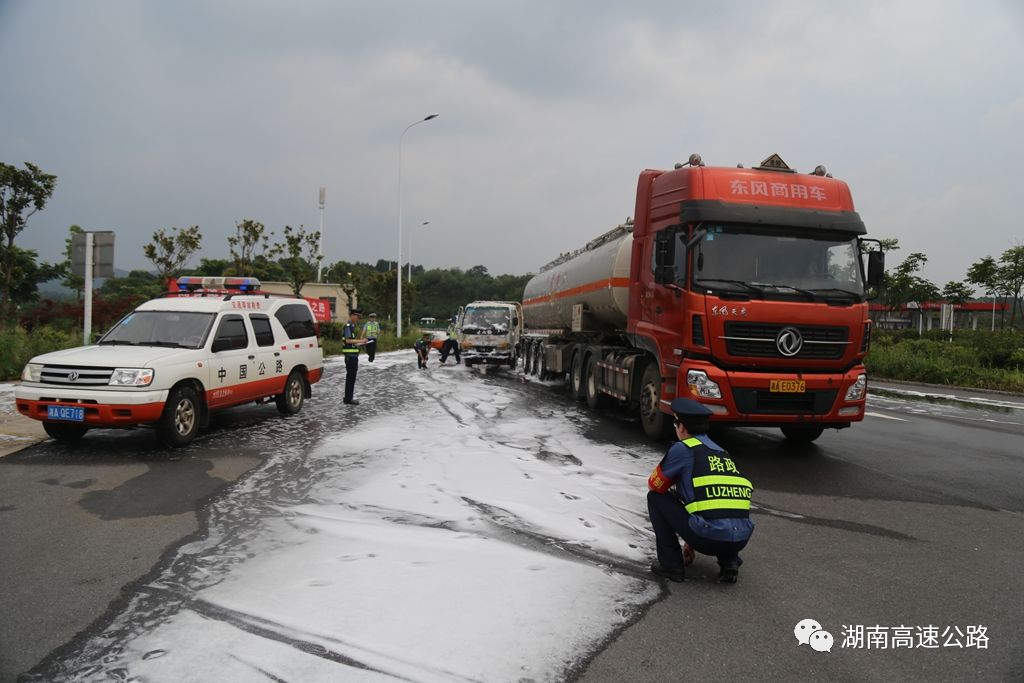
<point>411,235</point>
<point>398,265</point>
<point>320,240</point>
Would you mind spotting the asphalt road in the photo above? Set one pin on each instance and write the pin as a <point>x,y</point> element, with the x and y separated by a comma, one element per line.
<point>912,518</point>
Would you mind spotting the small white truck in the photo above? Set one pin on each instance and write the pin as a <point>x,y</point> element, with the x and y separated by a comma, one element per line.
<point>175,359</point>
<point>489,333</point>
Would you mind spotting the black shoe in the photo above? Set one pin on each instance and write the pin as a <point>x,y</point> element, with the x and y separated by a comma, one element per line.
<point>728,575</point>
<point>677,575</point>
<point>353,402</point>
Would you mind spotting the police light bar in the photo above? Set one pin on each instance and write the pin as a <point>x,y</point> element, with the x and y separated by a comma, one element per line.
<point>191,283</point>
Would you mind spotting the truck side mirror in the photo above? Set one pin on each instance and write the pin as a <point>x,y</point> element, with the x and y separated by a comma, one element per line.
<point>664,257</point>
<point>876,268</point>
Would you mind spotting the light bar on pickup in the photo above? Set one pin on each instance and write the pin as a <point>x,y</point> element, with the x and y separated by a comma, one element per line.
<point>191,283</point>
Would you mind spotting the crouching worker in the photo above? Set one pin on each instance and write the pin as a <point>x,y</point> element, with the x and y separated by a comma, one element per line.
<point>696,492</point>
<point>422,347</point>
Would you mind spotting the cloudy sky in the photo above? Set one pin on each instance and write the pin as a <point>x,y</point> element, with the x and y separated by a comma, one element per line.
<point>159,114</point>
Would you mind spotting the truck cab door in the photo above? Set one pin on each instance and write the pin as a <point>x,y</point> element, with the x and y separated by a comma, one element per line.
<point>231,363</point>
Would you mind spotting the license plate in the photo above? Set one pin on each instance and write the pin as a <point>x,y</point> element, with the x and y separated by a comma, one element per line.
<point>788,386</point>
<point>67,413</point>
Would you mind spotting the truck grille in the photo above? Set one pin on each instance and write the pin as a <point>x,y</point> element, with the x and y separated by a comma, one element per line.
<point>758,340</point>
<point>759,401</point>
<point>75,376</point>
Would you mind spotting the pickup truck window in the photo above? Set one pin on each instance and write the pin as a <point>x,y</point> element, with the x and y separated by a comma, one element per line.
<point>160,328</point>
<point>232,330</point>
<point>296,320</point>
<point>262,330</point>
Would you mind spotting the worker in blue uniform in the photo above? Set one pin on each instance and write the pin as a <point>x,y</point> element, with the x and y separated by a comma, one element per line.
<point>350,350</point>
<point>697,492</point>
<point>451,343</point>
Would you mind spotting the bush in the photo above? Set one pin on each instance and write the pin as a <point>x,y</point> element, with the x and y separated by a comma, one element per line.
<point>17,346</point>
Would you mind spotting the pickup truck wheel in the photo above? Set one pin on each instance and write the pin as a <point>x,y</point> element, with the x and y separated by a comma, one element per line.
<point>576,387</point>
<point>802,433</point>
<point>180,422</point>
<point>656,424</point>
<point>64,433</point>
<point>290,400</point>
<point>595,399</point>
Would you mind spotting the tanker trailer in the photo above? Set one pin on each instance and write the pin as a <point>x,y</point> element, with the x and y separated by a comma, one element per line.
<point>743,288</point>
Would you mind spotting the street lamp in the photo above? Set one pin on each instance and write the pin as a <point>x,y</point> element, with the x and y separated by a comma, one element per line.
<point>411,235</point>
<point>398,266</point>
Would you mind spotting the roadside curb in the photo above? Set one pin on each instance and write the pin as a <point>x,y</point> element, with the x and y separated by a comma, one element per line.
<point>947,387</point>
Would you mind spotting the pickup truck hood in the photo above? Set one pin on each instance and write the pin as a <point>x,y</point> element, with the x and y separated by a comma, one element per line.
<point>115,356</point>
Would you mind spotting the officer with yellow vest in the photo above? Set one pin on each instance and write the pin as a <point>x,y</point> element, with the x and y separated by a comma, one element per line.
<point>371,330</point>
<point>350,350</point>
<point>697,492</point>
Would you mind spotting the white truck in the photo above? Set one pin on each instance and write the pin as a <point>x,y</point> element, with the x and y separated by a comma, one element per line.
<point>175,359</point>
<point>490,332</point>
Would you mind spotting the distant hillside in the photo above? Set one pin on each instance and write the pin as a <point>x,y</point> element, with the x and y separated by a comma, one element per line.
<point>53,289</point>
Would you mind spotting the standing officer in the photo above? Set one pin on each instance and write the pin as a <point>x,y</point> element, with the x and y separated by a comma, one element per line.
<point>696,492</point>
<point>451,343</point>
<point>371,330</point>
<point>351,352</point>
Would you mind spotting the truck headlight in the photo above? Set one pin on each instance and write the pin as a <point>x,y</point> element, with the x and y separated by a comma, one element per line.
<point>699,382</point>
<point>131,377</point>
<point>857,389</point>
<point>503,345</point>
<point>32,372</point>
<point>467,345</point>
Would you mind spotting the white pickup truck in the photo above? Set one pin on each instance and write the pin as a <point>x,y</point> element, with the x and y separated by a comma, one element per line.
<point>489,332</point>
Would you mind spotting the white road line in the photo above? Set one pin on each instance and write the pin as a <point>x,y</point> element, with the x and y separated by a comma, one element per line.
<point>886,417</point>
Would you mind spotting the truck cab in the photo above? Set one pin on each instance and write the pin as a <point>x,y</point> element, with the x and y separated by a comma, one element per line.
<point>490,333</point>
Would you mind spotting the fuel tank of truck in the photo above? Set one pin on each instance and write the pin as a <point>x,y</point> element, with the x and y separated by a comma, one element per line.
<point>596,276</point>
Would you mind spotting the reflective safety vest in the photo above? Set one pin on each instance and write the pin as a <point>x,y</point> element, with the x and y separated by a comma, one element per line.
<point>371,330</point>
<point>719,490</point>
<point>349,332</point>
<point>453,331</point>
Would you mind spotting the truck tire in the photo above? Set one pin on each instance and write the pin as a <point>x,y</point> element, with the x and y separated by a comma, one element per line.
<point>577,388</point>
<point>656,424</point>
<point>802,433</point>
<point>180,422</point>
<point>595,399</point>
<point>65,433</point>
<point>290,400</point>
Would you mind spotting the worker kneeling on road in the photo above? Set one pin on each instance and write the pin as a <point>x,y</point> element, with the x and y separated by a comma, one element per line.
<point>696,492</point>
<point>422,347</point>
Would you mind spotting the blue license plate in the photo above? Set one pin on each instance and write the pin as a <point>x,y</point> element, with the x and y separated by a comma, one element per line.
<point>67,413</point>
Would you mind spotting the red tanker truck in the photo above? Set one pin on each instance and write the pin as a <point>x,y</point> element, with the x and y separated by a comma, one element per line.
<point>742,288</point>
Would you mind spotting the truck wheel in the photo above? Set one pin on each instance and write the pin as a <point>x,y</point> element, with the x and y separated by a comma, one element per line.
<point>576,387</point>
<point>290,400</point>
<point>180,422</point>
<point>64,433</point>
<point>595,399</point>
<point>802,433</point>
<point>656,424</point>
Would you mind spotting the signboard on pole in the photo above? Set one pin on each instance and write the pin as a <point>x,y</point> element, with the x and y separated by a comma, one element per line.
<point>102,253</point>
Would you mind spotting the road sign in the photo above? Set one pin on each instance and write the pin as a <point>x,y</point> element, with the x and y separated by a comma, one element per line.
<point>102,253</point>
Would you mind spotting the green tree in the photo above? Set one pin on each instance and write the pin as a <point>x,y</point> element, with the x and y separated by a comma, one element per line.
<point>1011,274</point>
<point>76,283</point>
<point>957,293</point>
<point>29,273</point>
<point>253,252</point>
<point>170,251</point>
<point>211,267</point>
<point>23,192</point>
<point>138,283</point>
<point>985,274</point>
<point>301,250</point>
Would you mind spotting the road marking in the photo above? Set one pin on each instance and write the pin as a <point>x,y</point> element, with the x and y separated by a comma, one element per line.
<point>886,417</point>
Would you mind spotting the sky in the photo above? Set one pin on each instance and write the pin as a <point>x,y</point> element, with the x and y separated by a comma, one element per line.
<point>163,114</point>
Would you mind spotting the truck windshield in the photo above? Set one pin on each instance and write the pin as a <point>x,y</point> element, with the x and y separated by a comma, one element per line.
<point>180,329</point>
<point>486,320</point>
<point>767,260</point>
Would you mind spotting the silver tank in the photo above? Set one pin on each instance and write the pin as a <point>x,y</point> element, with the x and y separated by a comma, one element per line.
<point>596,276</point>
